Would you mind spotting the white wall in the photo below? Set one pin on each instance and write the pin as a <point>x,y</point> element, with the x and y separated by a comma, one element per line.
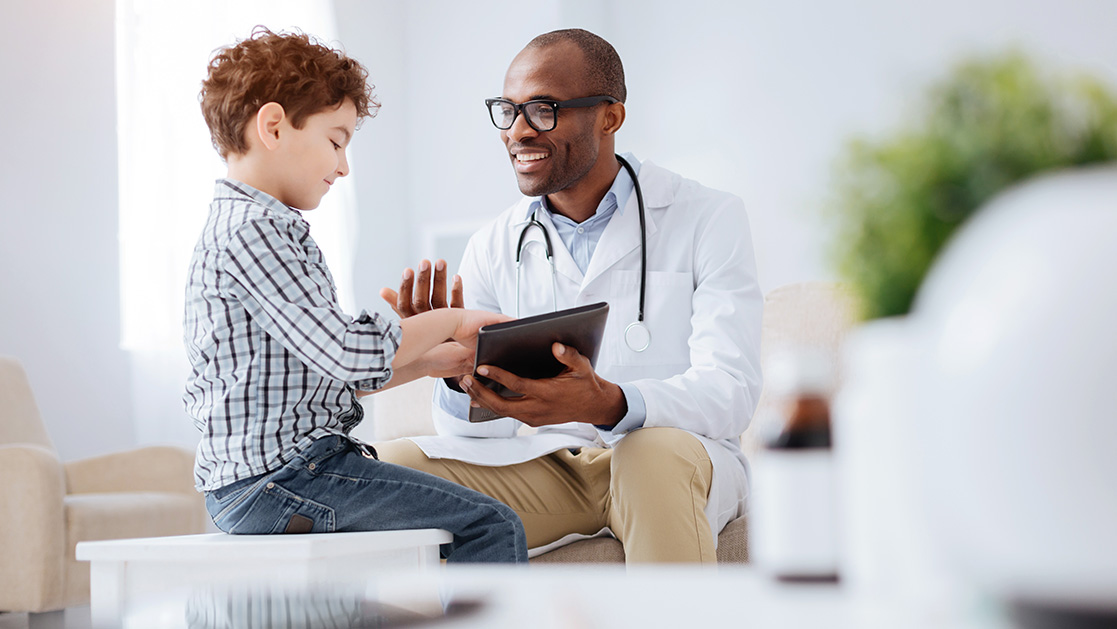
<point>59,293</point>
<point>757,98</point>
<point>752,97</point>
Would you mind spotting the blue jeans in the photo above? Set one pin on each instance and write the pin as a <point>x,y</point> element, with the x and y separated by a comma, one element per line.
<point>335,486</point>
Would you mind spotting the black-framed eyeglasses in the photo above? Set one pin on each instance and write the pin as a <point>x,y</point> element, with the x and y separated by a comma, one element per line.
<point>541,115</point>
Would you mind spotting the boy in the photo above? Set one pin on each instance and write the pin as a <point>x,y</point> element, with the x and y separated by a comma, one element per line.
<point>277,365</point>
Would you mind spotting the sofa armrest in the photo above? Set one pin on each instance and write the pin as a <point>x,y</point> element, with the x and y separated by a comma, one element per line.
<point>32,528</point>
<point>153,468</point>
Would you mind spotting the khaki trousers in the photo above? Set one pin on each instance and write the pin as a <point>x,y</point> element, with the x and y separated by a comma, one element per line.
<point>650,490</point>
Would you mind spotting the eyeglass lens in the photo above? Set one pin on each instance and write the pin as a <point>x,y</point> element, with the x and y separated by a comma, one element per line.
<point>540,115</point>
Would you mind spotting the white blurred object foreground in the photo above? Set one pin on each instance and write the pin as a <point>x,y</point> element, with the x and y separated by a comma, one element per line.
<point>983,424</point>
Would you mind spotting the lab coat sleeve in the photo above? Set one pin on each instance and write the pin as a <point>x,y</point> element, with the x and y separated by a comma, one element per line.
<point>450,409</point>
<point>717,395</point>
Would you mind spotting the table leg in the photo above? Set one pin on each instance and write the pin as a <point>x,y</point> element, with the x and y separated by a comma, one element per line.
<point>106,593</point>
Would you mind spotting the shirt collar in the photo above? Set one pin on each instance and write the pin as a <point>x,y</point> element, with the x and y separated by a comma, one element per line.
<point>620,191</point>
<point>225,187</point>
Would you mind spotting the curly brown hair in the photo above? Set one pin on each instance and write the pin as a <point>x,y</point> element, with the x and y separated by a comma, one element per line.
<point>292,69</point>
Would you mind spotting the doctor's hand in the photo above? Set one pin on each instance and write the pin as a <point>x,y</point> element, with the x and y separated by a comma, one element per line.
<point>577,394</point>
<point>424,293</point>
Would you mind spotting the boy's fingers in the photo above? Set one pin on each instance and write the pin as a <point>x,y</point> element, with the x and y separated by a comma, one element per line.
<point>457,294</point>
<point>438,285</point>
<point>392,297</point>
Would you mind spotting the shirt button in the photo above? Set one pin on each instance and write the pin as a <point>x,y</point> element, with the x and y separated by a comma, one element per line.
<point>312,466</point>
<point>581,230</point>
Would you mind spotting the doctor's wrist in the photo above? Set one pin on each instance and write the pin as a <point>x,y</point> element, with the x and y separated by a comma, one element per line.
<point>614,409</point>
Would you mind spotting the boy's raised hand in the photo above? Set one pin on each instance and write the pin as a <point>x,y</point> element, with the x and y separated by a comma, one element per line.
<point>425,292</point>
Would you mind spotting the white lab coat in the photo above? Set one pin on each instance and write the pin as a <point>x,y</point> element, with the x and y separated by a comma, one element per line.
<point>703,308</point>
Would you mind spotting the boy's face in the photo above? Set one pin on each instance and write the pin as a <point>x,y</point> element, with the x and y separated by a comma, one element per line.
<point>312,158</point>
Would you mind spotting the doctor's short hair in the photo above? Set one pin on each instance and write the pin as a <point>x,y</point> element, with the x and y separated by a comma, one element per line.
<point>293,69</point>
<point>603,64</point>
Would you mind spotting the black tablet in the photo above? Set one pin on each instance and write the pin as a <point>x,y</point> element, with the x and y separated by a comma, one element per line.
<point>523,346</point>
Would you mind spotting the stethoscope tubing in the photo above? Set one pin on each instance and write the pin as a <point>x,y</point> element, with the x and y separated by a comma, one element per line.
<point>643,236</point>
<point>535,222</point>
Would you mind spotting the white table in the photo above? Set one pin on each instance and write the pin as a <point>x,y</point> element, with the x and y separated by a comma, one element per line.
<point>171,582</point>
<point>125,570</point>
<point>552,596</point>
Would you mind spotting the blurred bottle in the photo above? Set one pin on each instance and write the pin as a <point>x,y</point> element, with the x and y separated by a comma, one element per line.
<point>794,510</point>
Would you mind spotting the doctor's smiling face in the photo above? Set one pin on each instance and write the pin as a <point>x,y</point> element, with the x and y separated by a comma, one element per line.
<point>574,159</point>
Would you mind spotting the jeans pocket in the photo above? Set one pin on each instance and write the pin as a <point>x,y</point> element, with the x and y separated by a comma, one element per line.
<point>220,502</point>
<point>275,509</point>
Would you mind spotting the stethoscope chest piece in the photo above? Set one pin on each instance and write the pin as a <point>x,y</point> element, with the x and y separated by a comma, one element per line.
<point>637,336</point>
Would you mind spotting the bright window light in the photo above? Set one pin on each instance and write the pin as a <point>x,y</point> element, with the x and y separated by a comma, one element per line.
<point>167,165</point>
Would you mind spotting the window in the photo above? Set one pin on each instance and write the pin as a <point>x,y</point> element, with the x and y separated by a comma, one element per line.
<point>167,164</point>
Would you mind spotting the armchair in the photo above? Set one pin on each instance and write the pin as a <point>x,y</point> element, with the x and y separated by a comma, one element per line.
<point>47,506</point>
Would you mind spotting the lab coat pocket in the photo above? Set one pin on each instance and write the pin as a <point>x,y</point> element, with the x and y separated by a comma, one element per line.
<point>667,313</point>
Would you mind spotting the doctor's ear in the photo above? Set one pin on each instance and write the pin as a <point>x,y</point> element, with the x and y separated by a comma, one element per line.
<point>614,118</point>
<point>268,121</point>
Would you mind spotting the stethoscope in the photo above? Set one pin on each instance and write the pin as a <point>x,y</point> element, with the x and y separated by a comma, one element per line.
<point>636,335</point>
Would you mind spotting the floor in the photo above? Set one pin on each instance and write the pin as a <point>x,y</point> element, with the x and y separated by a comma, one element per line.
<point>72,618</point>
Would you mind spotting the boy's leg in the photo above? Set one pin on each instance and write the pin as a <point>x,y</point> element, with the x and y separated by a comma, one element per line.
<point>660,480</point>
<point>554,495</point>
<point>334,486</point>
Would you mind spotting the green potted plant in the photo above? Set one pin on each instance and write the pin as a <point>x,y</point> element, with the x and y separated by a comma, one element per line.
<point>990,123</point>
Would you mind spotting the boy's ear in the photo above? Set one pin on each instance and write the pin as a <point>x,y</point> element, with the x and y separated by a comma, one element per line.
<point>268,120</point>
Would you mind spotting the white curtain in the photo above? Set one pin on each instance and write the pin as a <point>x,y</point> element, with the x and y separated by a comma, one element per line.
<point>167,167</point>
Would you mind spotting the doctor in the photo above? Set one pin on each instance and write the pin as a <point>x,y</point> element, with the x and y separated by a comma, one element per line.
<point>645,447</point>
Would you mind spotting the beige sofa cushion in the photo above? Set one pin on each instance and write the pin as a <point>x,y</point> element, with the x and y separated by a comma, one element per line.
<point>733,547</point>
<point>21,420</point>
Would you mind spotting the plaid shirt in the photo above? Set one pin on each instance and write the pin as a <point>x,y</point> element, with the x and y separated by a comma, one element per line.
<point>275,359</point>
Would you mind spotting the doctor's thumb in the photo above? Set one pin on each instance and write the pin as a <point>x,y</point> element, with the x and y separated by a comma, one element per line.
<point>565,355</point>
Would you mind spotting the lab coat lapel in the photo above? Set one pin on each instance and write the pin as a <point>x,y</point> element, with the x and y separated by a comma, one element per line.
<point>622,234</point>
